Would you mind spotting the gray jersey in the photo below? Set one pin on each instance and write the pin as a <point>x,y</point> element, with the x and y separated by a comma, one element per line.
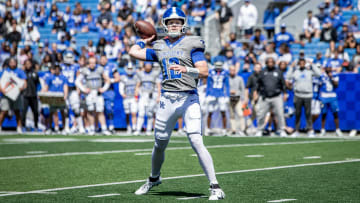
<point>93,78</point>
<point>147,81</point>
<point>129,83</point>
<point>177,53</point>
<point>237,85</point>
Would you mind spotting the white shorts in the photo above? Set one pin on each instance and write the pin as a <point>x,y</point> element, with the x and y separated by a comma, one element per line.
<point>130,105</point>
<point>74,101</point>
<point>315,107</point>
<point>146,106</point>
<point>215,103</point>
<point>174,105</point>
<point>95,102</point>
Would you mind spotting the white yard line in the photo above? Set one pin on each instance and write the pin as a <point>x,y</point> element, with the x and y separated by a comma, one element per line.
<point>312,157</point>
<point>105,195</point>
<point>187,198</point>
<point>37,152</point>
<point>186,176</point>
<point>255,156</point>
<point>141,154</point>
<point>172,148</point>
<point>283,200</point>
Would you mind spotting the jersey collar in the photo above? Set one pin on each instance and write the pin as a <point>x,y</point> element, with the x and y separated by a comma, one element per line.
<point>171,45</point>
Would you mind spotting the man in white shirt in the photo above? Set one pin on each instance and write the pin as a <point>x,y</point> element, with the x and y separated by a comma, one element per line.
<point>311,27</point>
<point>32,34</point>
<point>269,52</point>
<point>247,18</point>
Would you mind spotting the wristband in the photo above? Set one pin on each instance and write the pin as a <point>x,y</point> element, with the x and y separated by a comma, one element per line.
<point>193,72</point>
<point>112,80</point>
<point>141,44</point>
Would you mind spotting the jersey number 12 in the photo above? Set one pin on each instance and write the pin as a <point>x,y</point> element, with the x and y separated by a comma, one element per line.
<point>171,74</point>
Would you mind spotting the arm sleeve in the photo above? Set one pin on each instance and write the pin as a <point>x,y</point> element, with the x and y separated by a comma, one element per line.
<point>197,55</point>
<point>151,55</point>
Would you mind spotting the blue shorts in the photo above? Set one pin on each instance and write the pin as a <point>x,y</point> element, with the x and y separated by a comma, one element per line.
<point>327,103</point>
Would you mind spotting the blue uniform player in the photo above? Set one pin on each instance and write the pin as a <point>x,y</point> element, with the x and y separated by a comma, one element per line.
<point>218,93</point>
<point>70,69</point>
<point>182,63</point>
<point>329,81</point>
<point>110,70</point>
<point>56,82</point>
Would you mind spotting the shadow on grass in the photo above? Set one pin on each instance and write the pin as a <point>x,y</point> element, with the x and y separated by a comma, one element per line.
<point>177,193</point>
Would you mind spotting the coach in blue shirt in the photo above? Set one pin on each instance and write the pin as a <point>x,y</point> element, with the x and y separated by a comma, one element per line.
<point>8,104</point>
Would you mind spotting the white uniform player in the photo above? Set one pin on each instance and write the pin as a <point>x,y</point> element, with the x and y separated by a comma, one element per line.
<point>146,85</point>
<point>182,62</point>
<point>96,83</point>
<point>69,69</point>
<point>127,91</point>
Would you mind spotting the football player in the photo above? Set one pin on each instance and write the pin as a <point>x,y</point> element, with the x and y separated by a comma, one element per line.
<point>147,81</point>
<point>127,91</point>
<point>70,70</point>
<point>96,83</point>
<point>56,82</point>
<point>218,93</point>
<point>110,70</point>
<point>182,63</point>
<point>329,81</point>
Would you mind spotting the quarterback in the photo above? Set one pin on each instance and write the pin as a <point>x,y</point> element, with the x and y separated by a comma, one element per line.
<point>182,63</point>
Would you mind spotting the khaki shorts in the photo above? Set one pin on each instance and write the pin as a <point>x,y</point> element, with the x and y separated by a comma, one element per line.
<point>8,104</point>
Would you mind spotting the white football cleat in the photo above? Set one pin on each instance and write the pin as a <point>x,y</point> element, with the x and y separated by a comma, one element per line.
<point>147,186</point>
<point>322,132</point>
<point>137,133</point>
<point>128,130</point>
<point>353,133</point>
<point>338,132</point>
<point>311,133</point>
<point>216,193</point>
<point>295,134</point>
<point>148,133</point>
<point>259,134</point>
<point>283,133</point>
<point>106,132</point>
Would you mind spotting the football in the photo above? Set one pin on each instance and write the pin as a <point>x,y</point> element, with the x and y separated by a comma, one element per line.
<point>145,29</point>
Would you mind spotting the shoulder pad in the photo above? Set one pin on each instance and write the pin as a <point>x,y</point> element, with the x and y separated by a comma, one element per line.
<point>196,42</point>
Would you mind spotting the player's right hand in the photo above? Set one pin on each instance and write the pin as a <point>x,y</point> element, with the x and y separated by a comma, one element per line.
<point>148,40</point>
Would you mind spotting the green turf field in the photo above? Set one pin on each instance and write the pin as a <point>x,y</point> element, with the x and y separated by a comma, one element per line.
<point>36,168</point>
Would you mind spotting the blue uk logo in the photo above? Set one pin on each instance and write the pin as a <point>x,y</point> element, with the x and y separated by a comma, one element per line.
<point>162,105</point>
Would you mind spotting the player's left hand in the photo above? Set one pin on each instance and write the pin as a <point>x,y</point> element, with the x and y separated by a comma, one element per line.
<point>178,68</point>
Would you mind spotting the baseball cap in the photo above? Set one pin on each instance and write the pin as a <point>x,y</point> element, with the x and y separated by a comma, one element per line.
<point>41,44</point>
<point>247,0</point>
<point>283,25</point>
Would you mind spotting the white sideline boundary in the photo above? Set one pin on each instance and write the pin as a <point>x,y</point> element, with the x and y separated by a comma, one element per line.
<point>182,177</point>
<point>172,148</point>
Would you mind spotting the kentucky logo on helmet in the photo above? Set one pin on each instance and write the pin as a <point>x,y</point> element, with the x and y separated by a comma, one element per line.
<point>174,13</point>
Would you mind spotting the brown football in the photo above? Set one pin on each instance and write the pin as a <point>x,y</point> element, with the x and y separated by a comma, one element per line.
<point>144,29</point>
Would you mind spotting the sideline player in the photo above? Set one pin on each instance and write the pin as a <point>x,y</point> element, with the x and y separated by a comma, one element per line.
<point>70,69</point>
<point>147,81</point>
<point>127,91</point>
<point>110,70</point>
<point>94,77</point>
<point>218,94</point>
<point>183,63</point>
<point>329,81</point>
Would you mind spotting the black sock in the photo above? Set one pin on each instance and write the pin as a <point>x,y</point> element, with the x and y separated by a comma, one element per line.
<point>154,179</point>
